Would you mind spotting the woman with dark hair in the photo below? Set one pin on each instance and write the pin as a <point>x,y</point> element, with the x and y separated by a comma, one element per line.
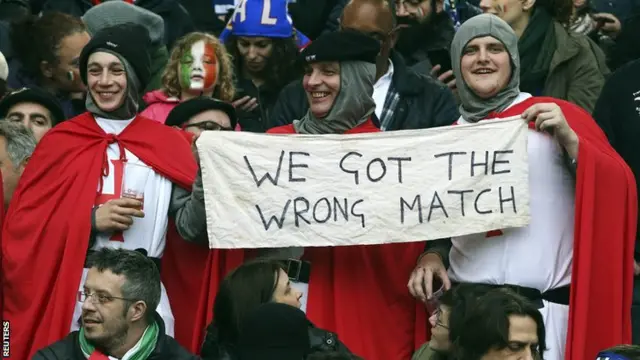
<point>48,50</point>
<point>242,292</point>
<point>554,62</point>
<point>265,61</point>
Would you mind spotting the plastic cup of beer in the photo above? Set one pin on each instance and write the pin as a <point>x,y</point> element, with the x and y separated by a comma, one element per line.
<point>134,181</point>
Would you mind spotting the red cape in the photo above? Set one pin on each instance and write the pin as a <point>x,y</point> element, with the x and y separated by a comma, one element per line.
<point>360,292</point>
<point>46,232</point>
<point>604,238</point>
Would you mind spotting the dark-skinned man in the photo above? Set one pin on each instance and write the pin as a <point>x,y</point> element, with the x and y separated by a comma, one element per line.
<point>404,99</point>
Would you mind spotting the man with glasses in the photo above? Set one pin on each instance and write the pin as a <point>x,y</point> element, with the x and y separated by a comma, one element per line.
<point>195,116</point>
<point>447,314</point>
<point>120,295</point>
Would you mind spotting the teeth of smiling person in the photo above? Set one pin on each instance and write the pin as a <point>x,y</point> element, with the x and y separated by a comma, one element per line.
<point>319,94</point>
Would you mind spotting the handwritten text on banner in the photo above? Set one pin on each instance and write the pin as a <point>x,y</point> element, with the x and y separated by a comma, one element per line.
<point>334,190</point>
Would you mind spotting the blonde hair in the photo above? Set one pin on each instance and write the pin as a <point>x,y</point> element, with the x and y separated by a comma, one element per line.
<point>224,88</point>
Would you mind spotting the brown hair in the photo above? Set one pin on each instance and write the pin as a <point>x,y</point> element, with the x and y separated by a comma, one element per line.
<point>36,39</point>
<point>224,88</point>
<point>560,10</point>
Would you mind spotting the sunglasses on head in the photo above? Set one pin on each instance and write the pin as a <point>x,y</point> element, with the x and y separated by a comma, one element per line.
<point>207,125</point>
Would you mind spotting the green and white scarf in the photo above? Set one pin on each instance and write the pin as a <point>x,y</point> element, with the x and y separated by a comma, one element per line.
<point>141,351</point>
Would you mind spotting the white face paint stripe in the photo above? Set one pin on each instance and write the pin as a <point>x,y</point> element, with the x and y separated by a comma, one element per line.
<point>197,67</point>
<point>197,52</point>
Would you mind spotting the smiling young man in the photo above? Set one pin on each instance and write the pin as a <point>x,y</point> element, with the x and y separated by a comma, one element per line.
<point>118,299</point>
<point>71,200</point>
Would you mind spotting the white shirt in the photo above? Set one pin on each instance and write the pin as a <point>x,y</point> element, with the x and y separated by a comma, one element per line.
<point>380,90</point>
<point>147,233</point>
<point>538,255</point>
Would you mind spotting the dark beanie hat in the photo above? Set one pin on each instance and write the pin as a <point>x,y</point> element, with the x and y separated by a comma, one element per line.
<point>345,45</point>
<point>130,41</point>
<point>33,95</point>
<point>187,109</point>
<point>274,331</point>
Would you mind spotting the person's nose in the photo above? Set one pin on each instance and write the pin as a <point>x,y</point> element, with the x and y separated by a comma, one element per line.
<point>105,78</point>
<point>485,5</point>
<point>87,304</point>
<point>528,354</point>
<point>433,319</point>
<point>252,54</point>
<point>401,10</point>
<point>314,79</point>
<point>483,56</point>
<point>298,295</point>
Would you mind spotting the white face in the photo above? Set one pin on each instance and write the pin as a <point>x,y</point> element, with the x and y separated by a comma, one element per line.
<point>106,80</point>
<point>485,66</point>
<point>199,67</point>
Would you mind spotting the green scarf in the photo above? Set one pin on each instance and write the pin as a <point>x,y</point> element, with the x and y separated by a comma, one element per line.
<point>537,46</point>
<point>147,344</point>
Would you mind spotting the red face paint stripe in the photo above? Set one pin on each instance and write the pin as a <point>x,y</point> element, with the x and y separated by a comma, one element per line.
<point>211,73</point>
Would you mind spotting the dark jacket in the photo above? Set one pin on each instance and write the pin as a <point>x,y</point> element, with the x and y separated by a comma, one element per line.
<point>415,42</point>
<point>204,16</point>
<point>177,21</point>
<point>314,17</point>
<point>577,71</point>
<point>267,96</point>
<point>320,341</point>
<point>422,102</point>
<point>618,114</point>
<point>167,348</point>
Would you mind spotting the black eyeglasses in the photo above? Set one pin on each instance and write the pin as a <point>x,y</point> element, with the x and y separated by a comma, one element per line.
<point>97,298</point>
<point>438,314</point>
<point>208,125</point>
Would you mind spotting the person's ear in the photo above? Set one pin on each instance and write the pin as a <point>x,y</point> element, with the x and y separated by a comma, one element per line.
<point>23,164</point>
<point>138,310</point>
<point>527,5</point>
<point>46,69</point>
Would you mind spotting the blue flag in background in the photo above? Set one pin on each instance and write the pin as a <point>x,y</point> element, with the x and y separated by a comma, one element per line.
<point>221,7</point>
<point>267,18</point>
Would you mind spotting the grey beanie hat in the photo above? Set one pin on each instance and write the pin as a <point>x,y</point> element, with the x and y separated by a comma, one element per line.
<point>114,13</point>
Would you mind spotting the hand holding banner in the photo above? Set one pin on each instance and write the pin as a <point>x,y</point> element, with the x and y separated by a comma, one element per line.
<point>335,190</point>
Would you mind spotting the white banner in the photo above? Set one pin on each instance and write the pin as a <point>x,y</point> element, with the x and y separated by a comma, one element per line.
<point>334,190</point>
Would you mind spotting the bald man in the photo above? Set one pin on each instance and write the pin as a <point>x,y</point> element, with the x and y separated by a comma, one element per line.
<point>404,98</point>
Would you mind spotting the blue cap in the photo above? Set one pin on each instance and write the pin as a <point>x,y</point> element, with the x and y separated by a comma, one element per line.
<point>268,18</point>
<point>607,355</point>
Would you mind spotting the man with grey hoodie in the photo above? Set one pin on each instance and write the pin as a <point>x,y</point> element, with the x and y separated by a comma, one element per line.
<point>114,13</point>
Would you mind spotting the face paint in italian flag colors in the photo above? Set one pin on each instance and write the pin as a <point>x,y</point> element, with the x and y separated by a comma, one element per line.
<point>199,67</point>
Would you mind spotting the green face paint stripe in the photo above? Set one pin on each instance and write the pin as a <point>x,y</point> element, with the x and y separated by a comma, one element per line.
<point>185,70</point>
